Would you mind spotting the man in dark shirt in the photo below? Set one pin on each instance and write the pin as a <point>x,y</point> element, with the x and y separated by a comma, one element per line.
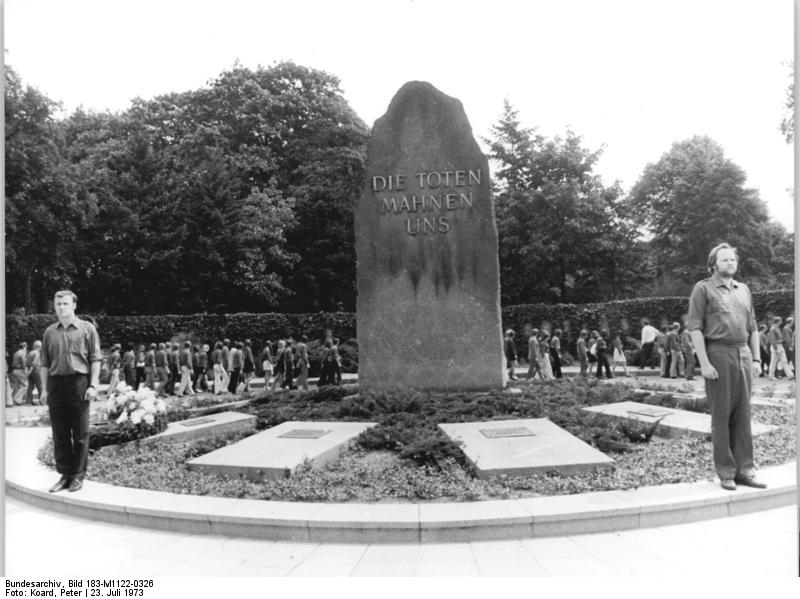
<point>174,366</point>
<point>511,354</point>
<point>725,338</point>
<point>788,340</point>
<point>236,358</point>
<point>70,377</point>
<point>185,363</point>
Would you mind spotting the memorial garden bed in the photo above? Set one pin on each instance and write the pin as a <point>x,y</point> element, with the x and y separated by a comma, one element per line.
<point>407,458</point>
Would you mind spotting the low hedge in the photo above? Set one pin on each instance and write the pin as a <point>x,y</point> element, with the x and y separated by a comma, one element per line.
<point>624,315</point>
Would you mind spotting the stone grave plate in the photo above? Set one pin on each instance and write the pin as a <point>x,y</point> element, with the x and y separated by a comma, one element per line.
<point>650,412</point>
<point>304,433</point>
<point>277,451</point>
<point>196,421</point>
<point>499,433</point>
<point>213,424</point>
<point>694,423</point>
<point>543,447</point>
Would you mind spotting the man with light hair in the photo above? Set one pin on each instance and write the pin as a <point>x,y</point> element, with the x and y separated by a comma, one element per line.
<point>725,337</point>
<point>71,360</point>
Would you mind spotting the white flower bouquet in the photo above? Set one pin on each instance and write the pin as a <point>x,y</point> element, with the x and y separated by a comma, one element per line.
<point>129,415</point>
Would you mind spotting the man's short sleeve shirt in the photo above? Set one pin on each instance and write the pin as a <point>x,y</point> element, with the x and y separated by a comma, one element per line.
<point>722,313</point>
<point>71,349</point>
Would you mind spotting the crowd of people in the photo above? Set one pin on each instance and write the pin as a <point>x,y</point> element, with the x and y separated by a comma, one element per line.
<point>184,368</point>
<point>669,349</point>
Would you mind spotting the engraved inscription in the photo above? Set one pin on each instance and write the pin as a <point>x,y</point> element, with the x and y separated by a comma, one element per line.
<point>304,433</point>
<point>197,421</point>
<point>499,433</point>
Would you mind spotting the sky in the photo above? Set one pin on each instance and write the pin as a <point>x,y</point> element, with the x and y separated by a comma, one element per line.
<point>632,77</point>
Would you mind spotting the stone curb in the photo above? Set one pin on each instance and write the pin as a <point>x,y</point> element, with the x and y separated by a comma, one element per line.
<point>28,480</point>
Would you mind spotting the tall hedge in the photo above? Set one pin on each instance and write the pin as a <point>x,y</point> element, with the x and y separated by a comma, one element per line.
<point>624,316</point>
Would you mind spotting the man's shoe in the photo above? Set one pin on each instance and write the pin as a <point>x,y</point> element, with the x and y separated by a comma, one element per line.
<point>750,481</point>
<point>62,484</point>
<point>76,484</point>
<point>728,484</point>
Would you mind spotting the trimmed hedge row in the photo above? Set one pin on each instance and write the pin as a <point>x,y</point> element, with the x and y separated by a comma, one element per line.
<point>624,316</point>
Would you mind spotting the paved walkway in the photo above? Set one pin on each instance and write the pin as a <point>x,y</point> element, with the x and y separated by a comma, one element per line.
<point>73,547</point>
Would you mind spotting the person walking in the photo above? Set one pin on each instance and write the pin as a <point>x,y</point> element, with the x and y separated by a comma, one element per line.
<point>140,374</point>
<point>174,366</point>
<point>725,337</point>
<point>114,360</point>
<point>534,355</point>
<point>288,365</point>
<point>225,362</point>
<point>676,367</point>
<point>129,366</point>
<point>248,364</point>
<point>649,335</point>
<point>19,374</point>
<point>555,353</point>
<point>619,356</point>
<point>788,341</point>
<point>216,367</point>
<point>688,354</point>
<point>185,365</point>
<point>777,352</point>
<point>337,364</point>
<point>511,354</point>
<point>201,368</point>
<point>280,366</point>
<point>661,347</point>
<point>267,363</point>
<point>302,363</point>
<point>327,374</point>
<point>236,358</point>
<point>150,367</point>
<point>582,352</point>
<point>544,352</point>
<point>33,364</point>
<point>602,357</point>
<point>162,369</point>
<point>70,371</point>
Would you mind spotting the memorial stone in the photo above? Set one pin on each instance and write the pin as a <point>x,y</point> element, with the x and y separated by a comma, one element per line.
<point>426,241</point>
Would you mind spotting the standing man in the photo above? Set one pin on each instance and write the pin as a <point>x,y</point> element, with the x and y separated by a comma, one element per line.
<point>649,334</point>
<point>70,377</point>
<point>34,365</point>
<point>582,351</point>
<point>674,351</point>
<point>725,338</point>
<point>162,369</point>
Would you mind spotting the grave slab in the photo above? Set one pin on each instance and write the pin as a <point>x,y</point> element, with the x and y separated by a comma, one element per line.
<point>693,423</point>
<point>204,426</point>
<point>276,452</point>
<point>523,447</point>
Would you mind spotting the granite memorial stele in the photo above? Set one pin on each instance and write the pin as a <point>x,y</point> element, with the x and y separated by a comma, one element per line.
<point>428,304</point>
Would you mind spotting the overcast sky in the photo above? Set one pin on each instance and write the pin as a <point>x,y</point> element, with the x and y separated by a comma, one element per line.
<point>633,76</point>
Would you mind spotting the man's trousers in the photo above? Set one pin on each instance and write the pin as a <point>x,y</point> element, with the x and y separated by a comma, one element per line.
<point>69,420</point>
<point>729,400</point>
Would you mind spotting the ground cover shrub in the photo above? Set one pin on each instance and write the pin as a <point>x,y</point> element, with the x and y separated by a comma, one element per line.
<point>416,462</point>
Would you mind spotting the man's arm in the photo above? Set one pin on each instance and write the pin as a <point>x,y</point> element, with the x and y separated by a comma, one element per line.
<point>44,372</point>
<point>699,342</point>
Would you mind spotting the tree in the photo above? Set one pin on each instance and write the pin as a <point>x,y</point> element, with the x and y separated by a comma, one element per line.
<point>787,124</point>
<point>563,235</point>
<point>693,198</point>
<point>233,197</point>
<point>46,209</point>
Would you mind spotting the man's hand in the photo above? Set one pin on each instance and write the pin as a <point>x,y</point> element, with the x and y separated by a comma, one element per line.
<point>91,394</point>
<point>709,372</point>
<point>43,397</point>
<point>756,369</point>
